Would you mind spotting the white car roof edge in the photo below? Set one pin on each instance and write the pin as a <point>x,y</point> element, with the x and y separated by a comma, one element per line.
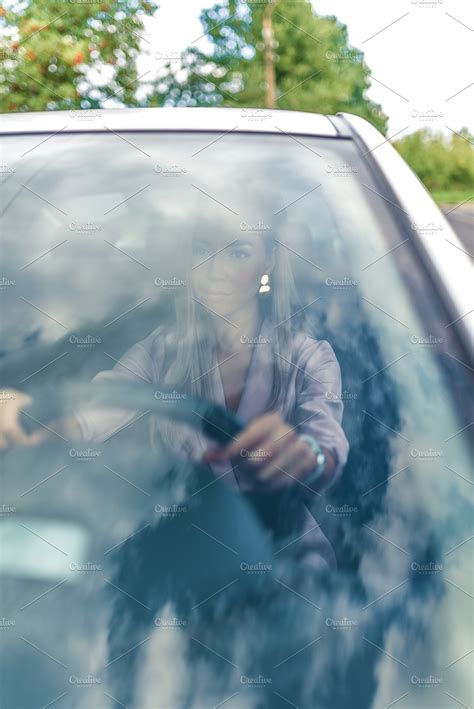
<point>168,119</point>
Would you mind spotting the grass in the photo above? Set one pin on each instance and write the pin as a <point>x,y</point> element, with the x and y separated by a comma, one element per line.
<point>453,196</point>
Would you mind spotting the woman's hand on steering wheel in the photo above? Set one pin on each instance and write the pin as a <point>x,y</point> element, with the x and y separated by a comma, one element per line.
<point>268,452</point>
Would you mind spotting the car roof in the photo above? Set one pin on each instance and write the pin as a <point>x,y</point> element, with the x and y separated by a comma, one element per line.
<point>255,120</point>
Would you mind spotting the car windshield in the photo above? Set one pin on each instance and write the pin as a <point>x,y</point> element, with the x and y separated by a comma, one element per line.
<point>267,275</point>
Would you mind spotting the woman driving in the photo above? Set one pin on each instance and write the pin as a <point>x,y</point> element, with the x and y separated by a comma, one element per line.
<point>237,340</point>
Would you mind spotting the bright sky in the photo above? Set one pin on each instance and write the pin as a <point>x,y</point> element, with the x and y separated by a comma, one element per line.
<point>418,51</point>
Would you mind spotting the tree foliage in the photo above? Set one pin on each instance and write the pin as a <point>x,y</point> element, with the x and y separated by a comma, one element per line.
<point>441,162</point>
<point>315,67</point>
<point>73,54</point>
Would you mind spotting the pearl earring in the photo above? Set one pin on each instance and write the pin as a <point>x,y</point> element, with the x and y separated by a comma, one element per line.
<point>265,284</point>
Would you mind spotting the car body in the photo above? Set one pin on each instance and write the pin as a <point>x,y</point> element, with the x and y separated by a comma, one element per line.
<point>88,532</point>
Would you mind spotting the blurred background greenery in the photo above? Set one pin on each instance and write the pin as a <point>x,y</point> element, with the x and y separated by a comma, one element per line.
<point>259,54</point>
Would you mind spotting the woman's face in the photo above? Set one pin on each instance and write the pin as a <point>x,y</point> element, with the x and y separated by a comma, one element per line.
<point>226,274</point>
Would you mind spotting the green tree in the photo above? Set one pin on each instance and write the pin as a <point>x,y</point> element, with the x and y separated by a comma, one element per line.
<point>52,52</point>
<point>255,43</point>
<point>442,162</point>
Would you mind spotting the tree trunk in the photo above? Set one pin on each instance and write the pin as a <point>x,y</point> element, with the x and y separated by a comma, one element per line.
<point>268,41</point>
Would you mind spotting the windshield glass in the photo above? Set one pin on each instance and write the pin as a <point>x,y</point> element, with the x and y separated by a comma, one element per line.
<point>258,274</point>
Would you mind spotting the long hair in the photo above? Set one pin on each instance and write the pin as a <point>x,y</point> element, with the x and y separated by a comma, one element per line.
<point>191,341</point>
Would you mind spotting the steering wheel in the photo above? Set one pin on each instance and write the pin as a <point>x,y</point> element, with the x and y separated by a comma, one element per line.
<point>213,546</point>
<point>55,401</point>
<point>278,511</point>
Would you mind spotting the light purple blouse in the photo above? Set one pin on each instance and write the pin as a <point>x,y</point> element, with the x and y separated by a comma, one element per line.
<point>312,404</point>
